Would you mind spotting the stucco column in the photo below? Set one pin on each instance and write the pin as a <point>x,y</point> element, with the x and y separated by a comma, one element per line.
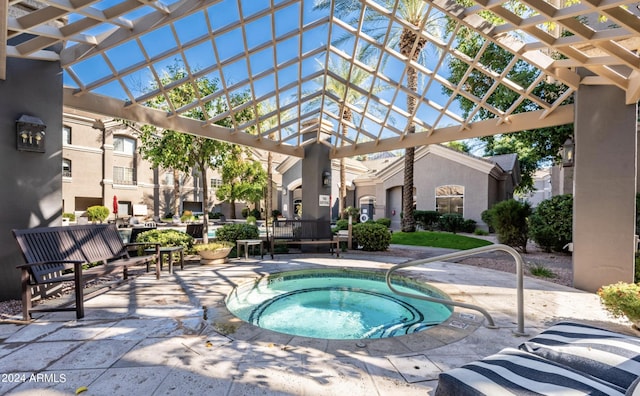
<point>604,188</point>
<point>315,162</point>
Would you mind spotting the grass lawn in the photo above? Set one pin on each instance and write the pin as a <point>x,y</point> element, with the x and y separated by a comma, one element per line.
<point>437,239</point>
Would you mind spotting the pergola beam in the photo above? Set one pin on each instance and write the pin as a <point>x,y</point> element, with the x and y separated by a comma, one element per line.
<point>110,107</point>
<point>515,123</point>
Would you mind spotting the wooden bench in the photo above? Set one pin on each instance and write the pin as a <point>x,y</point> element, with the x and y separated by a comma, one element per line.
<point>57,254</point>
<point>195,230</point>
<point>303,232</point>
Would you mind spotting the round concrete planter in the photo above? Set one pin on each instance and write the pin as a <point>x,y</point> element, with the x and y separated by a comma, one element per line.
<point>218,256</point>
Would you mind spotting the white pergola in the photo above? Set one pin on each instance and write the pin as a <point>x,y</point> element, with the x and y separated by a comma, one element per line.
<point>297,68</point>
<point>114,54</point>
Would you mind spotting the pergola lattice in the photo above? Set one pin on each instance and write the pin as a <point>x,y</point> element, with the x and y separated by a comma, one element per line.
<point>280,52</point>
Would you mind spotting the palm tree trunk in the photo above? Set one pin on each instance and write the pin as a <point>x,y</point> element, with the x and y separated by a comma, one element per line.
<point>346,116</point>
<point>407,40</point>
<point>268,199</point>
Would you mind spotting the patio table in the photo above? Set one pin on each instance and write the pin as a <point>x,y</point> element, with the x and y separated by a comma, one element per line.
<point>246,243</point>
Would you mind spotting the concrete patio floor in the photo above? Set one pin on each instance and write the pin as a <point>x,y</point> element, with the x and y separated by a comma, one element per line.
<point>175,337</point>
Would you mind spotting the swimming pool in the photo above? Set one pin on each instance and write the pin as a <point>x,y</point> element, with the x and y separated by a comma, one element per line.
<point>336,304</point>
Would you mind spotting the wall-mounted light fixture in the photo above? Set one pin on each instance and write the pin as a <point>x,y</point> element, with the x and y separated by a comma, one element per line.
<point>30,133</point>
<point>326,179</point>
<point>568,153</point>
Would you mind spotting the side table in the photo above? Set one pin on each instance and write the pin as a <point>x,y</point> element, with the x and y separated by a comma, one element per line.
<point>246,243</point>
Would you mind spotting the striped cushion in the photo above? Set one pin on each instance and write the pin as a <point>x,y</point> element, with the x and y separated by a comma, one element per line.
<point>607,355</point>
<point>515,372</point>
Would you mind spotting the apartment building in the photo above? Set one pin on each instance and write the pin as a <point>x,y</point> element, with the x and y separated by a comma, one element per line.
<point>101,160</point>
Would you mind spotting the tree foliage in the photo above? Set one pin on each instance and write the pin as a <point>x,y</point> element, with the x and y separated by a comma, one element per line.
<point>183,152</point>
<point>243,179</point>
<point>535,146</point>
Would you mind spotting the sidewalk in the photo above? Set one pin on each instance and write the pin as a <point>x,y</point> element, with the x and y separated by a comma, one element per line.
<point>151,337</point>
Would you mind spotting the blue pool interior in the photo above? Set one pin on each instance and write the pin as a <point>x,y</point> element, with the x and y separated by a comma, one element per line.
<point>336,304</point>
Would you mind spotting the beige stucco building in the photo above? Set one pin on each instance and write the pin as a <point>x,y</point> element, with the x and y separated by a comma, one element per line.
<point>101,160</point>
<point>445,180</point>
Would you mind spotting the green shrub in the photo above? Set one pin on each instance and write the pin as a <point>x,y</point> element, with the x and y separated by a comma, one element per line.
<point>255,213</point>
<point>245,212</point>
<point>510,220</point>
<point>187,215</point>
<point>97,213</point>
<point>212,246</point>
<point>341,225</point>
<point>215,215</point>
<point>168,237</point>
<point>551,224</point>
<point>275,213</point>
<point>451,222</point>
<point>251,220</point>
<point>486,216</point>
<point>427,219</point>
<point>469,226</point>
<point>621,299</point>
<point>384,221</point>
<point>233,232</point>
<point>372,236</point>
<point>541,271</point>
<point>479,231</point>
<point>70,216</point>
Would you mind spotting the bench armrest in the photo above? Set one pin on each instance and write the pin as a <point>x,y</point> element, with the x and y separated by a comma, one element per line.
<point>51,262</point>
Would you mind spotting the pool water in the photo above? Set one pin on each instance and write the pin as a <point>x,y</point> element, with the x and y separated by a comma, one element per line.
<point>336,305</point>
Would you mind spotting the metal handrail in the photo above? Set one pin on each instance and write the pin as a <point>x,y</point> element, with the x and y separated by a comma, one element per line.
<point>465,253</point>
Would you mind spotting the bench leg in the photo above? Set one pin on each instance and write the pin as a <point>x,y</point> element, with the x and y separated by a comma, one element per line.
<point>26,294</point>
<point>170,262</point>
<point>79,284</point>
<point>158,263</point>
<point>181,259</point>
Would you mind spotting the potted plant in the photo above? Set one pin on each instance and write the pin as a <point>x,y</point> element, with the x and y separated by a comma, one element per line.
<point>622,299</point>
<point>213,252</point>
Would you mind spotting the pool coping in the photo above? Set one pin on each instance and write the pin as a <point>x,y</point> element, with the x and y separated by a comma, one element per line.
<point>462,322</point>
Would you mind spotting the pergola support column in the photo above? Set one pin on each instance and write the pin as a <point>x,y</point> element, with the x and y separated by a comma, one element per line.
<point>604,188</point>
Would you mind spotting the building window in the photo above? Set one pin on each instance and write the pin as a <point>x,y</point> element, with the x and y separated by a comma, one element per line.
<point>124,145</point>
<point>123,175</point>
<point>450,199</point>
<point>66,134</point>
<point>66,167</point>
<point>216,183</point>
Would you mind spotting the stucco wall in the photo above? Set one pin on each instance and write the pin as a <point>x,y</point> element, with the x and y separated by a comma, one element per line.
<point>85,149</point>
<point>431,171</point>
<point>32,192</point>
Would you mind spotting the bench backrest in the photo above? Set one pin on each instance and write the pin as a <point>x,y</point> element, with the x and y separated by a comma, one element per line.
<point>89,243</point>
<point>135,231</point>
<point>301,229</point>
<point>195,230</point>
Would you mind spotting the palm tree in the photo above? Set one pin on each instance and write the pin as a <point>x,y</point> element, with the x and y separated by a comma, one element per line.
<point>410,45</point>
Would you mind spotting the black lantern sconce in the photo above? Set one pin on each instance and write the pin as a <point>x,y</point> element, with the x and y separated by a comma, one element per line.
<point>568,153</point>
<point>30,133</point>
<point>326,179</point>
